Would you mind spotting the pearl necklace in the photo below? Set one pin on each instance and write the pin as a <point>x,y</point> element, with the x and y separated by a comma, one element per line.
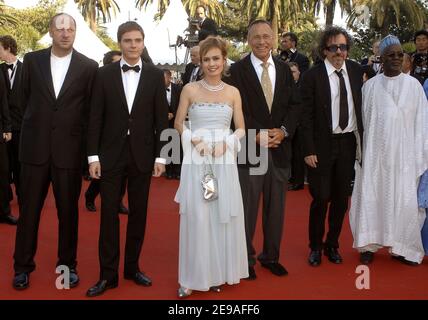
<point>209,87</point>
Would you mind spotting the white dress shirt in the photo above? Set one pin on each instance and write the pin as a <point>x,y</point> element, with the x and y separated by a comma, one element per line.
<point>194,75</point>
<point>12,72</point>
<point>130,80</point>
<point>335,98</point>
<point>59,68</point>
<point>168,94</point>
<point>257,64</point>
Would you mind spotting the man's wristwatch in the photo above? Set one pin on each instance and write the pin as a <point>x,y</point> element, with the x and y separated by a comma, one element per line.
<point>285,131</point>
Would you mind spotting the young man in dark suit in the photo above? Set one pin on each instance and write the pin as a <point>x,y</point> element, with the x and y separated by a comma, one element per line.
<point>129,111</point>
<point>5,137</point>
<point>173,92</point>
<point>332,130</point>
<point>56,88</point>
<point>270,105</point>
<point>11,70</point>
<point>290,53</point>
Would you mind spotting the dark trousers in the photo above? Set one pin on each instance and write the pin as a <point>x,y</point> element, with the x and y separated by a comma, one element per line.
<point>66,184</point>
<point>94,190</point>
<point>4,178</point>
<point>138,193</point>
<point>273,186</point>
<point>331,184</point>
<point>14,164</point>
<point>174,169</point>
<point>298,162</point>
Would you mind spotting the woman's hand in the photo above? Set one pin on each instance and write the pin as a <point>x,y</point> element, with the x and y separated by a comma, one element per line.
<point>219,149</point>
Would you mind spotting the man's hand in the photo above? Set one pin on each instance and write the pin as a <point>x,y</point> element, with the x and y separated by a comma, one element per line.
<point>311,161</point>
<point>7,136</point>
<point>158,169</point>
<point>95,170</point>
<point>170,115</point>
<point>275,137</point>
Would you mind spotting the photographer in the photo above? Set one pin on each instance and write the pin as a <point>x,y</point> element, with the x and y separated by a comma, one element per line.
<point>373,60</point>
<point>420,56</point>
<point>206,26</point>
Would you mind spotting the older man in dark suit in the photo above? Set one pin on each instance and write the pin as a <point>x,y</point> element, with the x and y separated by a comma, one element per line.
<point>271,107</point>
<point>129,111</point>
<point>56,89</point>
<point>332,130</point>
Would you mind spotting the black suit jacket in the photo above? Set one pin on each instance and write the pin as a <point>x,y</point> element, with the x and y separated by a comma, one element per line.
<point>285,107</point>
<point>14,94</point>
<point>5,124</point>
<point>110,119</point>
<point>188,73</point>
<point>175,99</point>
<point>316,119</point>
<point>208,27</point>
<point>296,57</point>
<point>54,128</point>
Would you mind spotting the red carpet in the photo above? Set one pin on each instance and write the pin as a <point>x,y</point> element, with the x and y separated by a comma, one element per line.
<point>389,279</point>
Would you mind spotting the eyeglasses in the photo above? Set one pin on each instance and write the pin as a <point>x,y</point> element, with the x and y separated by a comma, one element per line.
<point>335,47</point>
<point>393,55</point>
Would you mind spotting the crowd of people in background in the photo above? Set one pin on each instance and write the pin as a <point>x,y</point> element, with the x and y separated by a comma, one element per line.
<point>343,127</point>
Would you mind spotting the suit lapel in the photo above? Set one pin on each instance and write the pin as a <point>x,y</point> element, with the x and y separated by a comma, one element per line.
<point>17,79</point>
<point>119,85</point>
<point>5,75</point>
<point>72,73</point>
<point>45,67</point>
<point>141,83</point>
<point>279,79</point>
<point>326,90</point>
<point>253,79</point>
<point>353,81</point>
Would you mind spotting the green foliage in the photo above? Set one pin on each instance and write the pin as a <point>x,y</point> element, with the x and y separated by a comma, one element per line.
<point>104,37</point>
<point>33,24</point>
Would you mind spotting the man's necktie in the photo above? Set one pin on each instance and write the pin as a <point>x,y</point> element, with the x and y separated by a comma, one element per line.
<point>126,68</point>
<point>267,85</point>
<point>10,66</point>
<point>167,89</point>
<point>343,110</point>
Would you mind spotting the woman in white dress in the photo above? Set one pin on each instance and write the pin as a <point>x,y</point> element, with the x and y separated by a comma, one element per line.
<point>212,248</point>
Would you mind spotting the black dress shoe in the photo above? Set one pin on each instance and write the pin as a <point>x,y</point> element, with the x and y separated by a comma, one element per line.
<point>123,209</point>
<point>251,273</point>
<point>315,258</point>
<point>21,281</point>
<point>366,257</point>
<point>140,279</point>
<point>169,176</point>
<point>74,278</point>
<point>100,287</point>
<point>295,187</point>
<point>276,268</point>
<point>8,219</point>
<point>407,262</point>
<point>177,177</point>
<point>90,206</point>
<point>333,255</point>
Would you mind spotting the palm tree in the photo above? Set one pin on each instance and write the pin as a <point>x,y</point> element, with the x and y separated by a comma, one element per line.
<point>215,8</point>
<point>93,10</point>
<point>330,8</point>
<point>6,18</point>
<point>386,12</point>
<point>272,10</point>
<point>162,6</point>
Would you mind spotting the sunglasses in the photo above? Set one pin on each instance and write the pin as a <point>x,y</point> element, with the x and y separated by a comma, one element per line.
<point>393,55</point>
<point>335,47</point>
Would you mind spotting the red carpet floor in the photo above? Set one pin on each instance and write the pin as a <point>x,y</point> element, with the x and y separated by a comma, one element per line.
<point>389,279</point>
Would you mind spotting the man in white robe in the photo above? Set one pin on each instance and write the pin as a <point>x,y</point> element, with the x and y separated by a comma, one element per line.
<point>384,209</point>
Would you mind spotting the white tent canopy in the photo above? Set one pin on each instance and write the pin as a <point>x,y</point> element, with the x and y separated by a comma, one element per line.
<point>86,41</point>
<point>158,41</point>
